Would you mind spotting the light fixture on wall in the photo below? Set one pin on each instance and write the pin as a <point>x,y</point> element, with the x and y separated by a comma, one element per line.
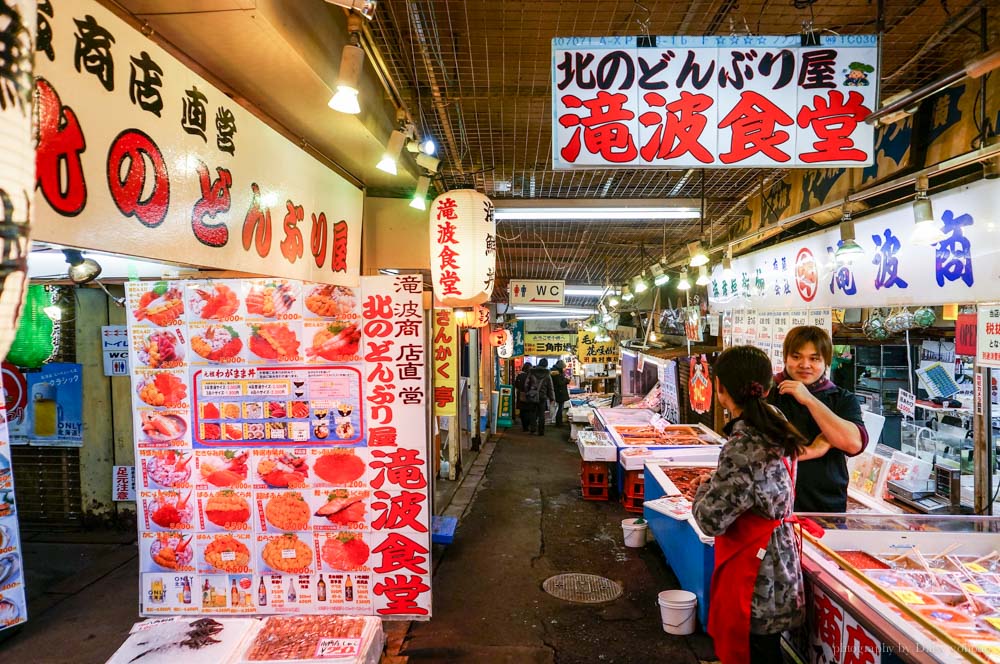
<point>703,279</point>
<point>848,249</point>
<point>81,270</point>
<point>392,150</point>
<point>627,295</point>
<point>683,283</point>
<point>420,195</point>
<point>352,60</point>
<point>928,230</point>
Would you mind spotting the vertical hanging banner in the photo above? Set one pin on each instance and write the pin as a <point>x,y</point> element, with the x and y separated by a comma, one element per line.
<point>445,377</point>
<point>668,391</point>
<point>280,435</point>
<point>718,101</point>
<point>13,610</point>
<point>130,139</point>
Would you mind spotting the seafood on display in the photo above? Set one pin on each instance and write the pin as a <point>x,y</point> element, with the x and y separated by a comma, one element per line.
<point>292,638</point>
<point>172,551</point>
<point>331,301</point>
<point>162,305</point>
<point>217,343</point>
<point>228,470</point>
<point>171,641</point>
<point>162,389</point>
<point>274,341</point>
<point>168,468</point>
<point>345,551</point>
<point>283,470</point>
<point>170,511</point>
<point>343,507</point>
<point>336,341</point>
<point>213,302</point>
<point>162,427</point>
<point>271,300</point>
<point>160,349</point>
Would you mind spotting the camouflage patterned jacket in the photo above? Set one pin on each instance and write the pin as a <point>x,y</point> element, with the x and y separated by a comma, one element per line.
<point>752,476</point>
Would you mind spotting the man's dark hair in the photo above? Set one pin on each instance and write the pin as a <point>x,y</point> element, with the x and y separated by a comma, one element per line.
<point>798,337</point>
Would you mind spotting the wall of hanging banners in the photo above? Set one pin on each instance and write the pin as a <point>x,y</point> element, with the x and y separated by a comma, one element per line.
<point>129,138</point>
<point>964,267</point>
<point>280,446</point>
<point>718,101</point>
<point>767,329</point>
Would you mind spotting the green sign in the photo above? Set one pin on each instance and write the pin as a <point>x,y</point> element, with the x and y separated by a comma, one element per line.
<point>505,416</point>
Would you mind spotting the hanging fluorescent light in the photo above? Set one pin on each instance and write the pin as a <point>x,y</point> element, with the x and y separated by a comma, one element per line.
<point>703,279</point>
<point>639,283</point>
<point>583,290</point>
<point>659,276</point>
<point>529,309</point>
<point>627,295</point>
<point>698,255</point>
<point>593,213</point>
<point>683,284</point>
<point>550,317</point>
<point>848,250</point>
<point>928,231</point>
<point>420,195</point>
<point>392,150</point>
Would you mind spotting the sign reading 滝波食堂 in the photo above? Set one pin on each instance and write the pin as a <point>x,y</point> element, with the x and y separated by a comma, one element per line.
<point>136,154</point>
<point>538,293</point>
<point>713,101</point>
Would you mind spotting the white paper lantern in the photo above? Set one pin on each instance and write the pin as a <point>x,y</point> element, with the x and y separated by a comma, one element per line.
<point>506,351</point>
<point>463,248</point>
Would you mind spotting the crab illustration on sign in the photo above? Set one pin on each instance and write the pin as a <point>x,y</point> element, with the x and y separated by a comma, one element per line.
<point>700,385</point>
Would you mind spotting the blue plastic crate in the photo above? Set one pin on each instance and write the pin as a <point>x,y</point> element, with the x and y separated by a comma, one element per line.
<point>443,529</point>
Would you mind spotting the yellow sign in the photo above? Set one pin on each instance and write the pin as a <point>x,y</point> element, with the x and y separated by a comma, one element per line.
<point>445,379</point>
<point>590,351</point>
<point>908,597</point>
<point>556,343</point>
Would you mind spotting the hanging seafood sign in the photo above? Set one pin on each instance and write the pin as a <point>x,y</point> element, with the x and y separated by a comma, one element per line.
<point>463,248</point>
<point>700,385</point>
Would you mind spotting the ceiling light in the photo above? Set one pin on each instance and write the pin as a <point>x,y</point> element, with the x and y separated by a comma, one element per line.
<point>639,283</point>
<point>517,309</point>
<point>583,290</point>
<point>659,276</point>
<point>593,327</point>
<point>848,250</point>
<point>698,255</point>
<point>428,146</point>
<point>550,317</point>
<point>928,231</point>
<point>727,264</point>
<point>703,279</point>
<point>428,162</point>
<point>352,60</point>
<point>627,295</point>
<point>81,270</point>
<point>613,300</point>
<point>652,335</point>
<point>53,312</point>
<point>592,213</point>
<point>683,284</point>
<point>420,195</point>
<point>392,150</point>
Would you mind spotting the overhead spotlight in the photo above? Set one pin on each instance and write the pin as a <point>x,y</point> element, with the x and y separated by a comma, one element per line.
<point>698,255</point>
<point>428,146</point>
<point>683,284</point>
<point>352,60</point>
<point>652,335</point>
<point>659,276</point>
<point>420,195</point>
<point>727,264</point>
<point>928,231</point>
<point>627,295</point>
<point>593,327</point>
<point>428,162</point>
<point>612,299</point>
<point>365,7</point>
<point>639,283</point>
<point>392,150</point>
<point>702,279</point>
<point>81,270</point>
<point>848,249</point>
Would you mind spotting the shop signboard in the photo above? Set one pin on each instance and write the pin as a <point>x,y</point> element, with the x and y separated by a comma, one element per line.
<point>139,155</point>
<point>114,347</point>
<point>906,403</point>
<point>668,391</point>
<point>505,415</point>
<point>518,332</point>
<point>965,334</point>
<point>123,483</point>
<point>988,335</point>
<point>964,267</point>
<point>551,344</point>
<point>281,455</point>
<point>591,351</point>
<point>538,293</point>
<point>713,101</point>
<point>12,595</point>
<point>444,381</point>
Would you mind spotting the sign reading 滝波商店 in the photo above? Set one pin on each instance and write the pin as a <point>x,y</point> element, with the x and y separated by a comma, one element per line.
<point>713,101</point>
<point>281,446</point>
<point>138,155</point>
<point>893,271</point>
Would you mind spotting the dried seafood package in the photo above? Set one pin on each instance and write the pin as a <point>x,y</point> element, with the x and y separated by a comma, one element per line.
<point>309,638</point>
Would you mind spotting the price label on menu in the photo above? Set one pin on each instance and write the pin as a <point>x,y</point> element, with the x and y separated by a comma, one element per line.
<point>228,556</point>
<point>908,597</point>
<point>288,554</point>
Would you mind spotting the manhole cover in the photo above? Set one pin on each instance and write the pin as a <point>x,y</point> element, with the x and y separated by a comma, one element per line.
<point>585,588</point>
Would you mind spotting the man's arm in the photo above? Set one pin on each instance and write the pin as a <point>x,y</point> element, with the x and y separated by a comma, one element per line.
<point>815,449</point>
<point>840,433</point>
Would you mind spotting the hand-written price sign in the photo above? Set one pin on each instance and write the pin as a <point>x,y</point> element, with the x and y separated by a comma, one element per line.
<point>718,101</point>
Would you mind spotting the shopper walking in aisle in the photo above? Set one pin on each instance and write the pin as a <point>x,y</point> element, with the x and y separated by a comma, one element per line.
<point>561,387</point>
<point>829,417</point>
<point>527,411</point>
<point>746,504</point>
<point>538,392</point>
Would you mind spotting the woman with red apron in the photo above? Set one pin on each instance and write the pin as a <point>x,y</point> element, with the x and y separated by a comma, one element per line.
<point>746,504</point>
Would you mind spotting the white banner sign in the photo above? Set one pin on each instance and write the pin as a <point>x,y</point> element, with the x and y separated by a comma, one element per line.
<point>138,155</point>
<point>964,267</point>
<point>988,336</point>
<point>123,484</point>
<point>737,101</point>
<point>906,403</point>
<point>542,293</point>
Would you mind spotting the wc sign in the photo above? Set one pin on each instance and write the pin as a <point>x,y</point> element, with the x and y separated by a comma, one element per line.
<point>114,346</point>
<point>539,293</point>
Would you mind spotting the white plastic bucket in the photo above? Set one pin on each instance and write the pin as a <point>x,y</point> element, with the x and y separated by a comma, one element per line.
<point>635,533</point>
<point>677,611</point>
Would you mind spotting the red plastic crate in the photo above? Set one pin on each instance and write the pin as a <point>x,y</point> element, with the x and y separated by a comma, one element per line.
<point>594,473</point>
<point>632,503</point>
<point>594,492</point>
<point>634,484</point>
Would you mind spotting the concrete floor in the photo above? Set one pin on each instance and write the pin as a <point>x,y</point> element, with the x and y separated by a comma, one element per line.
<point>522,520</point>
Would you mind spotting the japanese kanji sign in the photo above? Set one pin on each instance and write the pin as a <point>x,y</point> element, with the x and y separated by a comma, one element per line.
<point>963,267</point>
<point>138,155</point>
<point>988,335</point>
<point>713,101</point>
<point>463,248</point>
<point>445,348</point>
<point>590,351</point>
<point>553,343</point>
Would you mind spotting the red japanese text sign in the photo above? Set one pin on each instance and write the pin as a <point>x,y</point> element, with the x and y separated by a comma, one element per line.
<point>138,155</point>
<point>713,101</point>
<point>463,248</point>
<point>445,349</point>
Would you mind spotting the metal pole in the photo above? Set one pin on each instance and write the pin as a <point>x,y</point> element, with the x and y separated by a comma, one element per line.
<point>981,429</point>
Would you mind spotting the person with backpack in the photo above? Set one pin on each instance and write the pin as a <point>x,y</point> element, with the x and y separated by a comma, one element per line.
<point>527,412</point>
<point>746,505</point>
<point>538,392</point>
<point>561,386</point>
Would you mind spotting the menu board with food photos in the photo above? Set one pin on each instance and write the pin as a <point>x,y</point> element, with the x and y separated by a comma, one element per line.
<point>13,610</point>
<point>281,447</point>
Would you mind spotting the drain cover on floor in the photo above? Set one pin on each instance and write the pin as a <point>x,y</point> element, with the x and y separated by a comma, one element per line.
<point>585,588</point>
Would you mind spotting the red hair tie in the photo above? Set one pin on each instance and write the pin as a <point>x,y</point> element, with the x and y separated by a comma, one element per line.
<point>756,390</point>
